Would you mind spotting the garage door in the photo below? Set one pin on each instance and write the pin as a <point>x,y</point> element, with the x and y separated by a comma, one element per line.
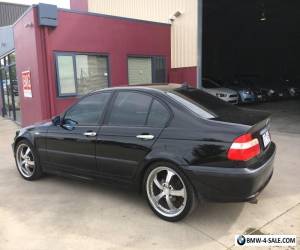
<point>139,70</point>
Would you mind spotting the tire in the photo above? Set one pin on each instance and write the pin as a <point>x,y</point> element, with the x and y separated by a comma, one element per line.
<point>169,193</point>
<point>27,161</point>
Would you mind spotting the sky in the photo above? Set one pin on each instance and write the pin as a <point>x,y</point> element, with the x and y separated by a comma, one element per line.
<point>59,3</point>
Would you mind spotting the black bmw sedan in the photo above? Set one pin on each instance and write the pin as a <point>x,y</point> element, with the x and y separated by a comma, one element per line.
<point>175,143</point>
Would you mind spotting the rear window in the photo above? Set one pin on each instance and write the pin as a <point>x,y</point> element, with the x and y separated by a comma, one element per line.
<point>202,103</point>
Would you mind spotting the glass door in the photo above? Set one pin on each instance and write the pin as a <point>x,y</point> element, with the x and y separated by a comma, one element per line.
<point>9,88</point>
<point>7,104</point>
<point>14,89</point>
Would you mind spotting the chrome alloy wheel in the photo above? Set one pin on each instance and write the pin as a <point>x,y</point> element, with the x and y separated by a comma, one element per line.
<point>166,191</point>
<point>25,160</point>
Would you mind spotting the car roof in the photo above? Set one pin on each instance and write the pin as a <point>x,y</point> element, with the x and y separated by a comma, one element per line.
<point>157,87</point>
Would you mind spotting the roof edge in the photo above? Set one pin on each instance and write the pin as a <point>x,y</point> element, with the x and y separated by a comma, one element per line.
<point>112,16</point>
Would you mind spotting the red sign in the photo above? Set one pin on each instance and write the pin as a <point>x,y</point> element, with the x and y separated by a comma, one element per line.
<point>26,83</point>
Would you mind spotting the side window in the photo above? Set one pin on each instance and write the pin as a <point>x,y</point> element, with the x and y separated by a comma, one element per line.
<point>130,109</point>
<point>89,110</point>
<point>158,115</point>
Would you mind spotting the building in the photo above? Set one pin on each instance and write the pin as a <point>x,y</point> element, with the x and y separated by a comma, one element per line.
<point>53,56</point>
<point>180,14</point>
<point>9,97</point>
<point>9,12</point>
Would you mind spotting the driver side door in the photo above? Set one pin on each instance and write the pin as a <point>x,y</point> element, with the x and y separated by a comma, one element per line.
<point>71,145</point>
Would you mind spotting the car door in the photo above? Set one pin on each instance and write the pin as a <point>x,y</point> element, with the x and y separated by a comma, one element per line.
<point>71,145</point>
<point>132,125</point>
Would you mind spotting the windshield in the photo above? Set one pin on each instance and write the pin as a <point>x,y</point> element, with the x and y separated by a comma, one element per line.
<point>202,103</point>
<point>210,84</point>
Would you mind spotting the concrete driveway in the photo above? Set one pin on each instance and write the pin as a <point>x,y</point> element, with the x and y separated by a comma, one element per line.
<point>59,213</point>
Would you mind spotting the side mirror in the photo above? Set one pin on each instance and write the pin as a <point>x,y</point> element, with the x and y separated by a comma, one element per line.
<point>56,120</point>
<point>68,124</point>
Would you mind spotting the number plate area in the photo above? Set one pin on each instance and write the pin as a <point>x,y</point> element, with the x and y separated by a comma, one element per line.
<point>266,138</point>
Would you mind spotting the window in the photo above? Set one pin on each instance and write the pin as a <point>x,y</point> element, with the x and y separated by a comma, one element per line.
<point>158,115</point>
<point>79,74</point>
<point>192,103</point>
<point>65,69</point>
<point>12,58</point>
<point>139,71</point>
<point>203,104</point>
<point>91,73</point>
<point>130,109</point>
<point>89,110</point>
<point>146,70</point>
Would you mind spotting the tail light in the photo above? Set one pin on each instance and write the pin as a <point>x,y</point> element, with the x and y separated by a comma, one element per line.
<point>244,148</point>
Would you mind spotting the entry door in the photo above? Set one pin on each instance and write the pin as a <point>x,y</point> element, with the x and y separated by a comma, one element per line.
<point>71,146</point>
<point>7,97</point>
<point>134,124</point>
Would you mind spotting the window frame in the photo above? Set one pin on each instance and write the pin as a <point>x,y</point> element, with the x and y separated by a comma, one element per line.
<point>102,117</point>
<point>153,97</point>
<point>73,55</point>
<point>151,57</point>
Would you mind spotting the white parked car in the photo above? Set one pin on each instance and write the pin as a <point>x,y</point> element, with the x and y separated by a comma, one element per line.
<point>214,88</point>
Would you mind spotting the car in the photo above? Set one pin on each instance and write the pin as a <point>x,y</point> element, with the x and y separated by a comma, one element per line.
<point>276,91</point>
<point>246,94</point>
<point>253,83</point>
<point>290,87</point>
<point>176,144</point>
<point>212,87</point>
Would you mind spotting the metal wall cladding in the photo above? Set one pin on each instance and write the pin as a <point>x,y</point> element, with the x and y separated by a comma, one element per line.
<point>9,13</point>
<point>6,40</point>
<point>183,29</point>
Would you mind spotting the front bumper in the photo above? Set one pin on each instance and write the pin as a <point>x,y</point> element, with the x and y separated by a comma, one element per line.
<point>247,98</point>
<point>232,184</point>
<point>232,100</point>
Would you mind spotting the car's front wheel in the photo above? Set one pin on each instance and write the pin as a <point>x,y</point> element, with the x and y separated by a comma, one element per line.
<point>169,193</point>
<point>27,161</point>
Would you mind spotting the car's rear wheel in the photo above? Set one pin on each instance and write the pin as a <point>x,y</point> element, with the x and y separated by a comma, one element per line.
<point>169,193</point>
<point>27,161</point>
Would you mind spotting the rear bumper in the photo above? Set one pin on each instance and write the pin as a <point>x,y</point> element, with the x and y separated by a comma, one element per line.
<point>232,184</point>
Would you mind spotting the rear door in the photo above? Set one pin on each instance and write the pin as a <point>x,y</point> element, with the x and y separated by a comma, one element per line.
<point>134,122</point>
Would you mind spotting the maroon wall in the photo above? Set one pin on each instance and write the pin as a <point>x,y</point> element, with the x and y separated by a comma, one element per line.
<point>180,75</point>
<point>81,5</point>
<point>28,57</point>
<point>80,32</point>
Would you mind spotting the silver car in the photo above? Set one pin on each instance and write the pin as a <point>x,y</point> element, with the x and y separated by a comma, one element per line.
<point>212,87</point>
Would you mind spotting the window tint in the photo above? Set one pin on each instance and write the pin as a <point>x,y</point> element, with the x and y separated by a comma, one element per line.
<point>158,115</point>
<point>191,105</point>
<point>130,108</point>
<point>89,110</point>
<point>202,103</point>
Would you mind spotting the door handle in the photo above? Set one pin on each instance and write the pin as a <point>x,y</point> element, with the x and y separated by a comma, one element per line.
<point>90,134</point>
<point>145,137</point>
